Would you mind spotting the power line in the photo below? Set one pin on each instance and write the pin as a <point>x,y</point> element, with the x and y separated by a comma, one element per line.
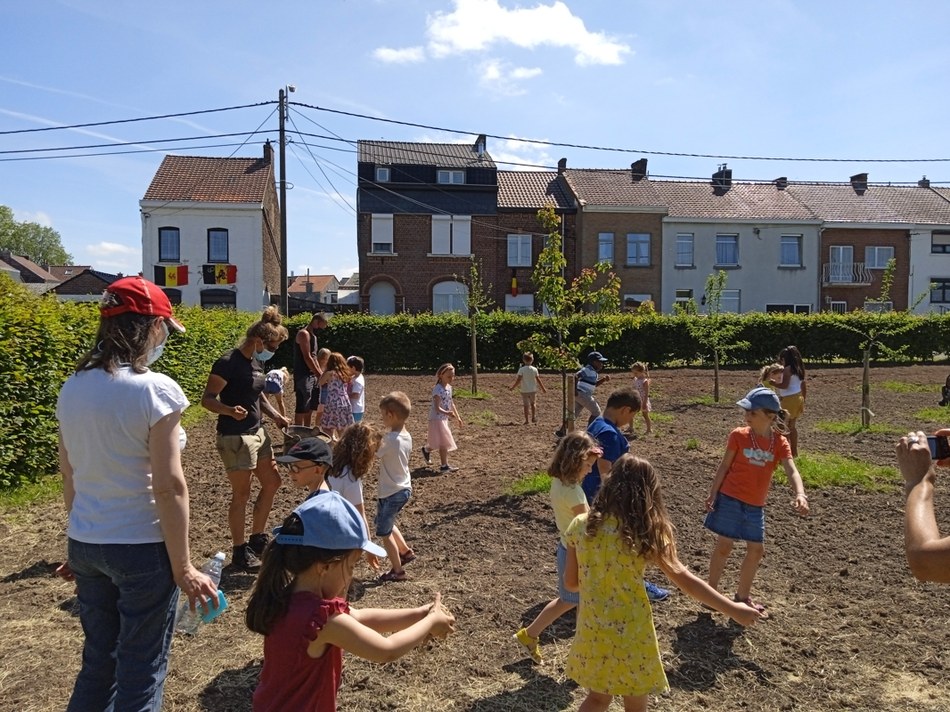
<point>119,153</point>
<point>294,124</point>
<point>135,143</point>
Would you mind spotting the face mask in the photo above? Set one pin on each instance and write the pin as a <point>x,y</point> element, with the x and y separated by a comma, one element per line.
<point>156,352</point>
<point>264,355</point>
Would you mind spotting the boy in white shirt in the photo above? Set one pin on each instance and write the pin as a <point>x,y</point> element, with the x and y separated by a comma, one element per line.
<point>395,484</point>
<point>530,383</point>
<point>357,388</point>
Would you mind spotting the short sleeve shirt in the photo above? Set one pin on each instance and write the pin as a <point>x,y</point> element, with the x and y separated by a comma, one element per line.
<point>244,379</point>
<point>348,487</point>
<point>587,379</point>
<point>394,451</point>
<point>564,498</point>
<point>358,388</point>
<point>750,473</point>
<point>613,443</point>
<point>529,379</point>
<point>444,394</point>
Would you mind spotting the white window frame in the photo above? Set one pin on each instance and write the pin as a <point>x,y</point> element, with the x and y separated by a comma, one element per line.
<point>878,307</point>
<point>796,240</point>
<point>733,241</point>
<point>639,256</point>
<point>685,239</point>
<point>451,235</point>
<point>519,250</point>
<point>605,247</point>
<point>730,301</point>
<point>381,234</point>
<point>872,256</point>
<point>787,308</point>
<point>682,296</point>
<point>449,296</point>
<point>838,307</point>
<point>383,174</point>
<point>450,177</point>
<point>520,304</point>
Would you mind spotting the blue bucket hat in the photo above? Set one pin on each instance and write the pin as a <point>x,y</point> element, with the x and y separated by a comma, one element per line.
<point>760,398</point>
<point>330,522</point>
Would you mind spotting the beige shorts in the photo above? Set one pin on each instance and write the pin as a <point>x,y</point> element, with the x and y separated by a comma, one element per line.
<point>528,398</point>
<point>243,452</point>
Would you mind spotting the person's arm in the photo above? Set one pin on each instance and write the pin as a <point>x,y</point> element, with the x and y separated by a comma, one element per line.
<point>171,500</point>
<point>724,466</point>
<point>210,401</point>
<point>356,388</point>
<point>696,588</point>
<point>800,503</point>
<point>646,390</point>
<point>785,380</point>
<point>325,378</point>
<point>302,341</point>
<point>579,509</point>
<point>602,379</point>
<point>270,410</point>
<point>455,412</point>
<point>359,632</point>
<point>571,573</point>
<point>804,394</point>
<point>540,383</point>
<point>371,559</point>
<point>928,554</point>
<point>69,494</point>
<point>515,384</point>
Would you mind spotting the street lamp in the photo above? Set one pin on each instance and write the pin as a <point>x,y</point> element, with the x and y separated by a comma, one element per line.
<point>282,102</point>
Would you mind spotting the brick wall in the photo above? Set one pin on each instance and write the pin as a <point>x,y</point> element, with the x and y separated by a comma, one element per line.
<point>633,280</point>
<point>86,282</point>
<point>523,222</point>
<point>271,237</point>
<point>855,296</point>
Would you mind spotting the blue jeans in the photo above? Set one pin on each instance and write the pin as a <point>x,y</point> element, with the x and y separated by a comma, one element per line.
<point>127,600</point>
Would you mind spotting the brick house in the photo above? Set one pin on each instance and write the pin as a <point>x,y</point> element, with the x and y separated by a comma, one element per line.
<point>84,285</point>
<point>36,278</point>
<point>311,292</point>
<point>211,231</point>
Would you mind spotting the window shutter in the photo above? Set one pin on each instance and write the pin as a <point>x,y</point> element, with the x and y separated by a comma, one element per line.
<point>441,235</point>
<point>462,235</point>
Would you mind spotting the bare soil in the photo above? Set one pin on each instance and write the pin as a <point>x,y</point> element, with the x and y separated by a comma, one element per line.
<point>850,629</point>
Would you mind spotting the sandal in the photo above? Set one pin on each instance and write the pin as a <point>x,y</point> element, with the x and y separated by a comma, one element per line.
<point>752,604</point>
<point>407,556</point>
<point>391,576</point>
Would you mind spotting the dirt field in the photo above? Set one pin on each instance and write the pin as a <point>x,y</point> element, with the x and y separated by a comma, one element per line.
<point>850,630</point>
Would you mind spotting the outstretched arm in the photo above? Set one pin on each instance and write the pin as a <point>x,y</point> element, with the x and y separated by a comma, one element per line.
<point>800,503</point>
<point>928,554</point>
<point>695,587</point>
<point>515,384</point>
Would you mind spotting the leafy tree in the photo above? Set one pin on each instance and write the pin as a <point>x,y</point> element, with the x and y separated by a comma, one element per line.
<point>715,332</point>
<point>596,289</point>
<point>37,242</point>
<point>479,300</point>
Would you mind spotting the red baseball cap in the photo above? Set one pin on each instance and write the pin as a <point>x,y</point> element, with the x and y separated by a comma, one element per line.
<point>139,296</point>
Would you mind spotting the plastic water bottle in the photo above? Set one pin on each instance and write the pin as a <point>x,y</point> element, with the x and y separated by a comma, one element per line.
<point>187,621</point>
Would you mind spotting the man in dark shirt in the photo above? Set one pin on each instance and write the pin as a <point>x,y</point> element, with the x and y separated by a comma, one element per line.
<point>306,369</point>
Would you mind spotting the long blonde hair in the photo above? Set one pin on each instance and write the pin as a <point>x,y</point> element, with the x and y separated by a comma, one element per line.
<point>568,460</point>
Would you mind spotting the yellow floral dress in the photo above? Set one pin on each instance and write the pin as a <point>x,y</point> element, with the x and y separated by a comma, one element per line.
<point>615,650</point>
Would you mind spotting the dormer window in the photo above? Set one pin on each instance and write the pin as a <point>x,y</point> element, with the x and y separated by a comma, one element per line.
<point>382,175</point>
<point>451,177</point>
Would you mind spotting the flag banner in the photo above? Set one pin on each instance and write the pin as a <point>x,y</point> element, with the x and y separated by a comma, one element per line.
<point>219,274</point>
<point>176,276</point>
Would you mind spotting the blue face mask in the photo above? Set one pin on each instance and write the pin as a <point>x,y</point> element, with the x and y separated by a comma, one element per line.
<point>156,353</point>
<point>264,355</point>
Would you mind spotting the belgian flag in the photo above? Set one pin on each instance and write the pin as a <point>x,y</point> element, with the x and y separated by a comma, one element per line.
<point>219,274</point>
<point>176,276</point>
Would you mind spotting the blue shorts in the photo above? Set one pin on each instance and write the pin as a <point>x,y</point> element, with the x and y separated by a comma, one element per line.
<point>357,417</point>
<point>736,520</point>
<point>562,593</point>
<point>387,509</point>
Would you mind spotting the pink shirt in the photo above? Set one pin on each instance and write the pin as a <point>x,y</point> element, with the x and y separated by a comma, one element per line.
<point>750,473</point>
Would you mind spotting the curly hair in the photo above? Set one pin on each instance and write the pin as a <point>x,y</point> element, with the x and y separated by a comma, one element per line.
<point>356,449</point>
<point>337,364</point>
<point>268,328</point>
<point>567,464</point>
<point>632,497</point>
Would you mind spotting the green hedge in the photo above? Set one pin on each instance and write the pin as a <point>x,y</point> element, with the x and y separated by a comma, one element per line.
<point>41,339</point>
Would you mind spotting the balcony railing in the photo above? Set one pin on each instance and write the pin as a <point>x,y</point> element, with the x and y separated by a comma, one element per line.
<point>842,274</point>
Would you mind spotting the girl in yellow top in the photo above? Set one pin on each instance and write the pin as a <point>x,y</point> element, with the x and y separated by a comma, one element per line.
<point>615,650</point>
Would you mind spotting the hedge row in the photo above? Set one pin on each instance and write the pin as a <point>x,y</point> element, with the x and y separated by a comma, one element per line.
<point>41,339</point>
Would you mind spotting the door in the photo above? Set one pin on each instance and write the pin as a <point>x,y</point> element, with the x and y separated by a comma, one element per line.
<point>841,269</point>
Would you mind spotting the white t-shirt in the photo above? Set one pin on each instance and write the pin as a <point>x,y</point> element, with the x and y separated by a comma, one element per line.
<point>105,421</point>
<point>393,454</point>
<point>358,386</point>
<point>529,378</point>
<point>348,487</point>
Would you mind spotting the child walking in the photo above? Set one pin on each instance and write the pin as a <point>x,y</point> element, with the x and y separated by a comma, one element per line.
<point>442,408</point>
<point>353,456</point>
<point>615,650</point>
<point>736,501</point>
<point>299,604</point>
<point>395,482</point>
<point>575,455</point>
<point>357,389</point>
<point>641,381</point>
<point>530,383</point>
<point>791,389</point>
<point>337,412</point>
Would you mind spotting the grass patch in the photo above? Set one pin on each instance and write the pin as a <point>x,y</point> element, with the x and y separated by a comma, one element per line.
<point>853,427</point>
<point>933,414</point>
<point>901,387</point>
<point>820,470</point>
<point>661,418</point>
<point>531,484</point>
<point>483,417</point>
<point>692,444</point>
<point>701,400</point>
<point>46,489</point>
<point>469,395</point>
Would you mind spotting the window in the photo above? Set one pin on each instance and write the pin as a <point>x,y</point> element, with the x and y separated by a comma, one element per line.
<point>521,304</point>
<point>940,242</point>
<point>218,245</point>
<point>729,301</point>
<point>382,175</point>
<point>451,177</point>
<point>727,250</point>
<point>449,296</point>
<point>218,298</point>
<point>790,252</point>
<point>940,294</point>
<point>633,301</point>
<point>878,306</point>
<point>382,299</point>
<point>381,241</point>
<point>451,234</point>
<point>174,295</point>
<point>788,308</point>
<point>839,307</point>
<point>684,249</point>
<point>681,296</point>
<point>638,249</point>
<point>605,247</point>
<point>876,257</point>
<point>169,244</point>
<point>519,250</point>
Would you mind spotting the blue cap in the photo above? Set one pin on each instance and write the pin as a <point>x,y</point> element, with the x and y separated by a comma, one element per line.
<point>760,398</point>
<point>596,356</point>
<point>330,522</point>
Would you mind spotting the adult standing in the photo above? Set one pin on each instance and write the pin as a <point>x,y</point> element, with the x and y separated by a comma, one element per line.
<point>127,499</point>
<point>235,391</point>
<point>791,390</point>
<point>306,369</point>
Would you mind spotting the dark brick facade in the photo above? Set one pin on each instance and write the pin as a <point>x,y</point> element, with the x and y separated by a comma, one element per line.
<point>270,238</point>
<point>856,294</point>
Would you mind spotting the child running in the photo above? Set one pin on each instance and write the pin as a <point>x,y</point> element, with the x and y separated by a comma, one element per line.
<point>353,456</point>
<point>308,462</point>
<point>615,650</point>
<point>357,389</point>
<point>530,383</point>
<point>442,408</point>
<point>575,455</point>
<point>299,605</point>
<point>395,482</point>
<point>337,412</point>
<point>641,381</point>
<point>736,501</point>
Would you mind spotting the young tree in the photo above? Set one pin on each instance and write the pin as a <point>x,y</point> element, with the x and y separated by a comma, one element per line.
<point>479,300</point>
<point>595,289</point>
<point>715,332</point>
<point>37,242</point>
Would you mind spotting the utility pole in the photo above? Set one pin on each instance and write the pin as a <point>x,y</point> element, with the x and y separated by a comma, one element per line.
<point>282,102</point>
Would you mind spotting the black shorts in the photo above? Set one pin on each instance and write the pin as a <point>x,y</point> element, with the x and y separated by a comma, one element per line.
<point>307,394</point>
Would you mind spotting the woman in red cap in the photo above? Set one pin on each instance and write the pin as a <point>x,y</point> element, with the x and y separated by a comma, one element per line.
<point>127,499</point>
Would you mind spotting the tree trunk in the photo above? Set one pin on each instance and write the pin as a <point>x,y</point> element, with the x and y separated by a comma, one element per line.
<point>474,360</point>
<point>866,391</point>
<point>715,376</point>
<point>569,408</point>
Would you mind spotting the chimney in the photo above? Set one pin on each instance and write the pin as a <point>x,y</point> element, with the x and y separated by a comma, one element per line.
<point>268,152</point>
<point>480,143</point>
<point>780,183</point>
<point>859,181</point>
<point>924,182</point>
<point>562,165</point>
<point>638,170</point>
<point>722,180</point>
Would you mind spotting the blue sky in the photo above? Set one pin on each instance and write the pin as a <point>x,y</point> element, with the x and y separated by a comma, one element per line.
<point>807,79</point>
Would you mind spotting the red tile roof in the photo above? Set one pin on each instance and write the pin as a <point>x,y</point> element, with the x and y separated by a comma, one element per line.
<point>319,282</point>
<point>211,180</point>
<point>29,270</point>
<point>531,189</point>
<point>612,188</point>
<point>742,201</point>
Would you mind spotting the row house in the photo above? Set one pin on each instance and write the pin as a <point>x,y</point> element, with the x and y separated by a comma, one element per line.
<point>211,231</point>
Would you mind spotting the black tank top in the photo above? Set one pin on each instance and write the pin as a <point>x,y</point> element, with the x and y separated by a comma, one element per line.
<point>301,369</point>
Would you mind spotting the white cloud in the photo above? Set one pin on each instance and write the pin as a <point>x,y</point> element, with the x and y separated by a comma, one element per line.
<point>111,249</point>
<point>499,77</point>
<point>478,24</point>
<point>39,217</point>
<point>406,55</point>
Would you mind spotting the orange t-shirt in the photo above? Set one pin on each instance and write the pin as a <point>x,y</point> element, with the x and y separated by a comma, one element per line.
<point>750,473</point>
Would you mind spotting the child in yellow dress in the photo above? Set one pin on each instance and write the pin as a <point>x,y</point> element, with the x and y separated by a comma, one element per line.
<point>615,650</point>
